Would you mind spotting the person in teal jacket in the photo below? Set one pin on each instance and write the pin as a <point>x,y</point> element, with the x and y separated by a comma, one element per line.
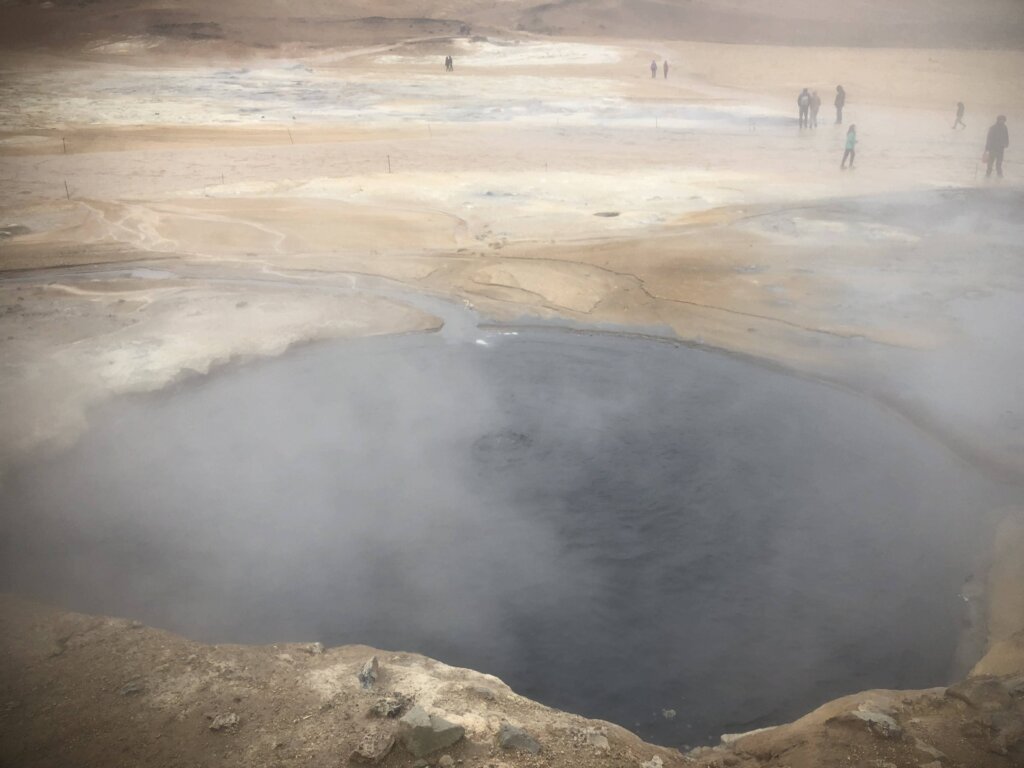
<point>851,147</point>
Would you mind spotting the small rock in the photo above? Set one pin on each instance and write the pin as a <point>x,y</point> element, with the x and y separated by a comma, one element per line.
<point>597,740</point>
<point>390,705</point>
<point>374,746</point>
<point>421,764</point>
<point>369,673</point>
<point>932,764</point>
<point>446,761</point>
<point>133,687</point>
<point>482,691</point>
<point>422,734</point>
<point>730,760</point>
<point>512,737</point>
<point>313,649</point>
<point>654,762</point>
<point>226,722</point>
<point>668,714</point>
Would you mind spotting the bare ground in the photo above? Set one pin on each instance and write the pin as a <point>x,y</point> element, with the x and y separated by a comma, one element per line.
<point>261,209</point>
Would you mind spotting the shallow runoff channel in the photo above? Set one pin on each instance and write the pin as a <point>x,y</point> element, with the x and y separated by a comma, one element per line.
<point>615,527</point>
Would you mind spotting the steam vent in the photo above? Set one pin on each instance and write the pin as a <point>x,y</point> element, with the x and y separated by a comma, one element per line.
<point>588,384</point>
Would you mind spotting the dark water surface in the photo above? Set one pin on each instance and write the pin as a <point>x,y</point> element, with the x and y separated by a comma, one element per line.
<point>613,527</point>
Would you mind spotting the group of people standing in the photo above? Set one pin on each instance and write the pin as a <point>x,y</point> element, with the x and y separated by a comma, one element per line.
<point>654,68</point>
<point>996,142</point>
<point>809,103</point>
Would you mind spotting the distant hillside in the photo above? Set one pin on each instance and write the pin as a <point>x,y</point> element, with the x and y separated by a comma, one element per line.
<point>871,23</point>
<point>874,23</point>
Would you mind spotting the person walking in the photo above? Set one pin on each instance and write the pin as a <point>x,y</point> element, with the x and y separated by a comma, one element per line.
<point>654,69</point>
<point>840,103</point>
<point>804,102</point>
<point>851,147</point>
<point>815,106</point>
<point>959,115</point>
<point>666,69</point>
<point>995,145</point>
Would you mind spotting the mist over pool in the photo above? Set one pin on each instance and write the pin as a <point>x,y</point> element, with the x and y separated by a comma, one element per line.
<point>614,527</point>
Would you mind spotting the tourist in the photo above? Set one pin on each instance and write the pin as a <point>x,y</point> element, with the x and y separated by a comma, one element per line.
<point>654,68</point>
<point>851,147</point>
<point>959,115</point>
<point>840,103</point>
<point>815,106</point>
<point>804,102</point>
<point>666,69</point>
<point>996,143</point>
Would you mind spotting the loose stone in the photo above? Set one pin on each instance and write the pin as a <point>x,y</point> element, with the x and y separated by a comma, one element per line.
<point>369,673</point>
<point>225,722</point>
<point>422,734</point>
<point>513,737</point>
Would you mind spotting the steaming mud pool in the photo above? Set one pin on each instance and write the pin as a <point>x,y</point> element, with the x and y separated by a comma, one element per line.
<point>614,527</point>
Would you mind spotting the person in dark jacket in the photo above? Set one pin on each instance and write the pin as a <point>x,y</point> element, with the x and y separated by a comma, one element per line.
<point>804,102</point>
<point>815,106</point>
<point>840,103</point>
<point>996,143</point>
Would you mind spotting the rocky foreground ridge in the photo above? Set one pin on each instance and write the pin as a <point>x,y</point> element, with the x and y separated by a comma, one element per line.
<point>92,691</point>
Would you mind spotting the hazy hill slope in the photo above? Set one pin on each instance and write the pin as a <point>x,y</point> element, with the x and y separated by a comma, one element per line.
<point>917,23</point>
<point>940,23</point>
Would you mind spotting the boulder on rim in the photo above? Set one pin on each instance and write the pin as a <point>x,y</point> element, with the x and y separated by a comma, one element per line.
<point>511,737</point>
<point>422,734</point>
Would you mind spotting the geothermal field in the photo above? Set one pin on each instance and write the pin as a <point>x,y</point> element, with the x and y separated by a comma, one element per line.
<point>570,404</point>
